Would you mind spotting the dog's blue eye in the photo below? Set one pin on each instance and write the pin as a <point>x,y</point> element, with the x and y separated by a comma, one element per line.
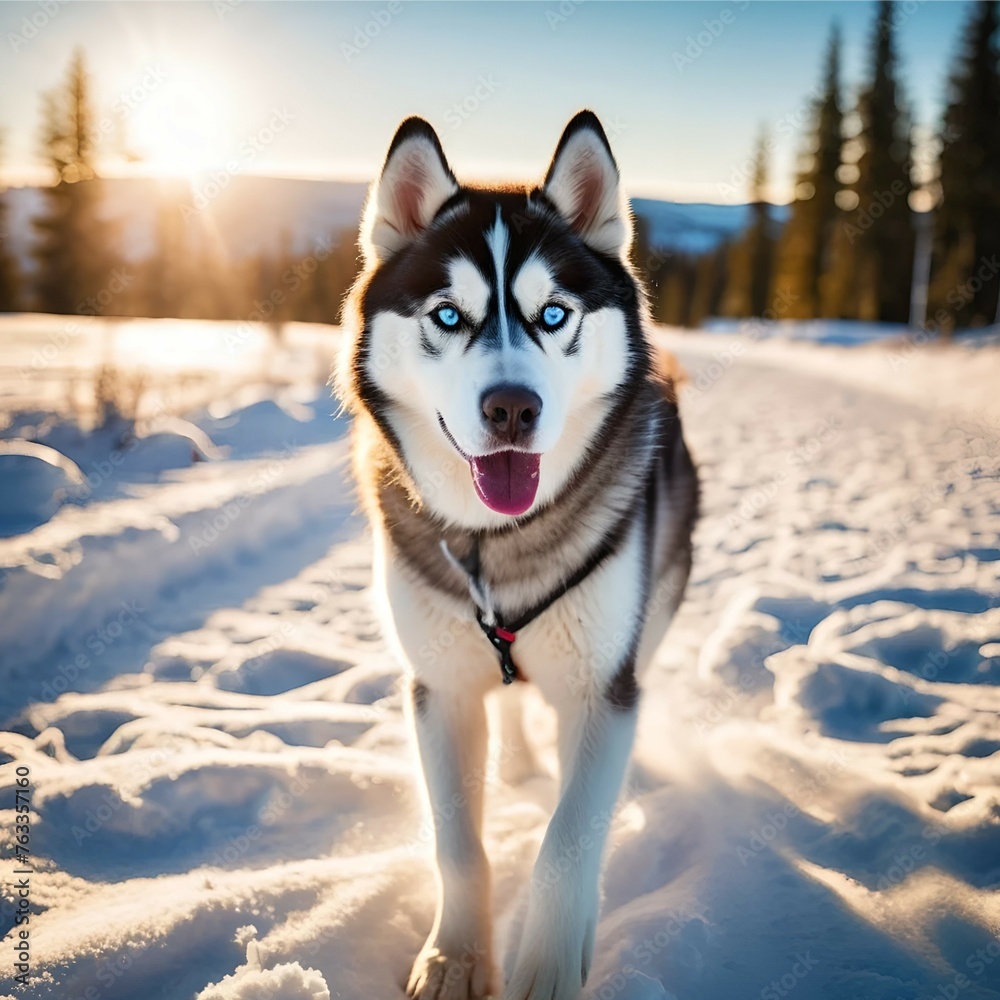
<point>448,317</point>
<point>553,316</point>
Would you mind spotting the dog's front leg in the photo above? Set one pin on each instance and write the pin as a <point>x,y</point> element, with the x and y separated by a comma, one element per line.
<point>457,960</point>
<point>596,731</point>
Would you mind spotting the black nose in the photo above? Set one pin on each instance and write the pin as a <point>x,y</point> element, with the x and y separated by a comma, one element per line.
<point>510,411</point>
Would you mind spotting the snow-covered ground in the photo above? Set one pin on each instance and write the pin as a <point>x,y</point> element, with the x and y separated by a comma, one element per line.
<point>225,805</point>
<point>49,362</point>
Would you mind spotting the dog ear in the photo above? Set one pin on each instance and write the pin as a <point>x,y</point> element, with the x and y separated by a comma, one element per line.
<point>415,182</point>
<point>582,182</point>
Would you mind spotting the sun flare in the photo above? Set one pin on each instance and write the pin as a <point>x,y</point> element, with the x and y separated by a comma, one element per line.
<point>178,122</point>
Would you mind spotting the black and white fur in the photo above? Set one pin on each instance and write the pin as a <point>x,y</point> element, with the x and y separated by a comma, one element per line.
<point>611,449</point>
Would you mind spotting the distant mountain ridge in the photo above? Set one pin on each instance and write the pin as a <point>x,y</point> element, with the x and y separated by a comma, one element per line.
<point>695,227</point>
<point>252,214</point>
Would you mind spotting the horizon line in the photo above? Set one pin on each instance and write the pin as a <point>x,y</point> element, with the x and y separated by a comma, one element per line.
<point>641,192</point>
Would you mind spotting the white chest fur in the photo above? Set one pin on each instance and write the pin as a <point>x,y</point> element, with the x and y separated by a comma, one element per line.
<point>578,643</point>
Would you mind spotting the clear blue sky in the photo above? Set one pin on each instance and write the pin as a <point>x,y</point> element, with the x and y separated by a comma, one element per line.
<point>206,76</point>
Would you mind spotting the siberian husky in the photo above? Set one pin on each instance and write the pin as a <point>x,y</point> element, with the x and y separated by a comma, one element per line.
<point>520,456</point>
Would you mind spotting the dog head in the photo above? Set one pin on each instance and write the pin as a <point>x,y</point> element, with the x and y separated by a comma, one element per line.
<point>494,331</point>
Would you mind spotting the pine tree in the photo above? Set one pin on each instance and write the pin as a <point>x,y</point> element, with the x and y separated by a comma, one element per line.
<point>167,276</point>
<point>651,264</point>
<point>751,257</point>
<point>838,284</point>
<point>335,276</point>
<point>10,280</point>
<point>709,285</point>
<point>804,250</point>
<point>73,248</point>
<point>673,305</point>
<point>968,221</point>
<point>880,229</point>
<point>278,279</point>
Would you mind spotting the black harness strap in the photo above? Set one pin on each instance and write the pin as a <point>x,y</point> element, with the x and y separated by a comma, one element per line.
<point>502,635</point>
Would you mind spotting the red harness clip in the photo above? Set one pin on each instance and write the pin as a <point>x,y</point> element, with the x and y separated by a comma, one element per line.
<point>504,634</point>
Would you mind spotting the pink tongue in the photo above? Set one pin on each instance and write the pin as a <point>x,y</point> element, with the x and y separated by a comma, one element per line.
<point>506,481</point>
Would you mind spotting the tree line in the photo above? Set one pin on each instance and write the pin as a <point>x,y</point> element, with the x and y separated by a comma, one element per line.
<point>79,266</point>
<point>853,247</point>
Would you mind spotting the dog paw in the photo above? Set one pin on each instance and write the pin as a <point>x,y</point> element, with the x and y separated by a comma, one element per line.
<point>544,977</point>
<point>458,974</point>
<point>552,964</point>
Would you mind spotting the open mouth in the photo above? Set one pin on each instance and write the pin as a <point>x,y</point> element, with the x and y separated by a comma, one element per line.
<point>506,481</point>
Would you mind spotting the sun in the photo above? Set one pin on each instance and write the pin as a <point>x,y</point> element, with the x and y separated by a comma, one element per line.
<point>176,127</point>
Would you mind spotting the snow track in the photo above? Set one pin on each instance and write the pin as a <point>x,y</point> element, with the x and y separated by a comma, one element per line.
<point>73,589</point>
<point>226,805</point>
